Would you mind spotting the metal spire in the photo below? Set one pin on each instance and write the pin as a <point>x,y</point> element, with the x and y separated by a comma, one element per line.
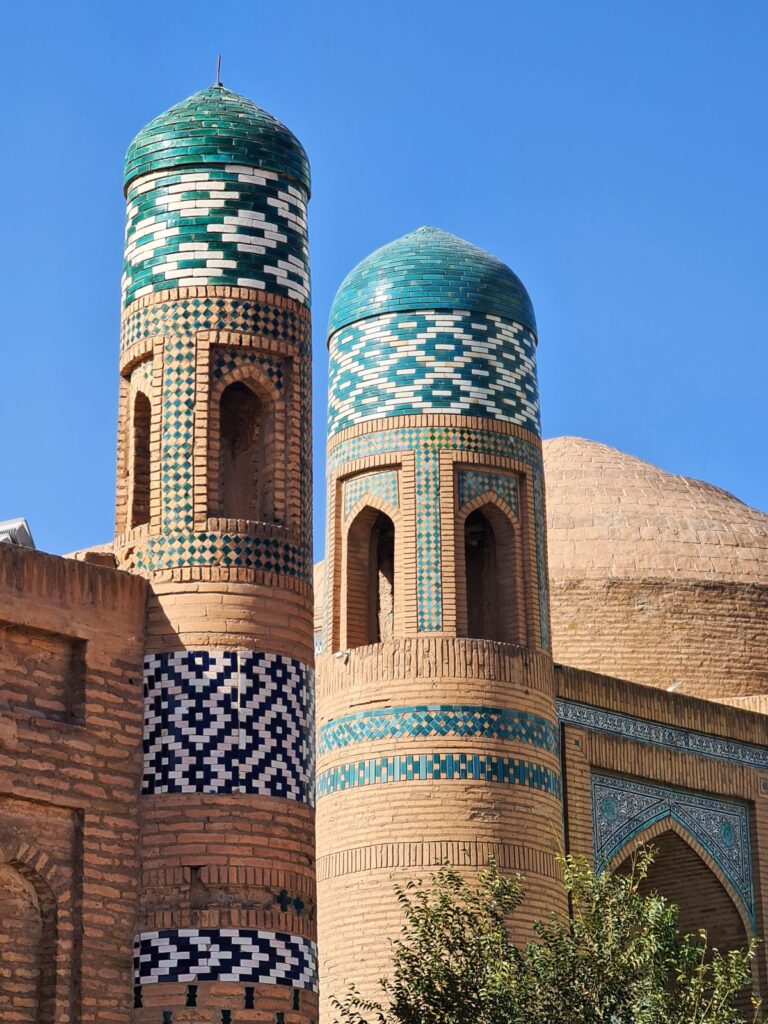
<point>218,69</point>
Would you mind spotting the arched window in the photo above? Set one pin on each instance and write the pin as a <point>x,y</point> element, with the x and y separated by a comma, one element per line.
<point>494,608</point>
<point>370,579</point>
<point>142,428</point>
<point>245,457</point>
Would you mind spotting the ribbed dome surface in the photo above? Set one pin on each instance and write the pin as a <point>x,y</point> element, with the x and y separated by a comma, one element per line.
<point>431,269</point>
<point>611,515</point>
<point>216,126</point>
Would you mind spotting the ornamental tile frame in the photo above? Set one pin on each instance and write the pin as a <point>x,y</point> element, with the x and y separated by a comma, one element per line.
<point>661,734</point>
<point>623,808</point>
<point>438,720</point>
<point>428,444</point>
<point>472,483</point>
<point>383,484</point>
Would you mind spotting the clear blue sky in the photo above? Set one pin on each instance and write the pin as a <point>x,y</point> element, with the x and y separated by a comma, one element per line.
<point>613,153</point>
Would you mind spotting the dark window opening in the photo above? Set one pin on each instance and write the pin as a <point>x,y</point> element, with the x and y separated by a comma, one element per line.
<point>245,436</point>
<point>482,577</point>
<point>371,579</point>
<point>142,427</point>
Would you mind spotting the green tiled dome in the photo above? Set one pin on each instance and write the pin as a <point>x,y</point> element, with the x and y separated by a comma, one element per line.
<point>431,269</point>
<point>216,126</point>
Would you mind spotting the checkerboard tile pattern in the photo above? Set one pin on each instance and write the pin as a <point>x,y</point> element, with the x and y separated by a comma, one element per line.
<point>472,483</point>
<point>182,316</point>
<point>176,549</point>
<point>467,720</point>
<point>426,443</point>
<point>384,485</point>
<point>433,361</point>
<point>444,767</point>
<point>234,225</point>
<point>622,808</point>
<point>228,722</point>
<point>225,954</point>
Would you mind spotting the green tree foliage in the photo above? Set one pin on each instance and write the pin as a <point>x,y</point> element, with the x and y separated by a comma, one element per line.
<point>617,958</point>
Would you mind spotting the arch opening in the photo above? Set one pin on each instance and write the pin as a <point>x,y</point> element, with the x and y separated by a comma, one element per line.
<point>370,579</point>
<point>680,875</point>
<point>27,948</point>
<point>492,587</point>
<point>246,457</point>
<point>141,469</point>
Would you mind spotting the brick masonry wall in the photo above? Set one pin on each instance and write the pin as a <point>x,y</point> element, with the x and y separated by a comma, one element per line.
<point>586,751</point>
<point>710,637</point>
<point>70,741</point>
<point>428,698</point>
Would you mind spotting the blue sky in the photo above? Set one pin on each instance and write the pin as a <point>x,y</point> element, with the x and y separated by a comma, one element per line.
<point>613,153</point>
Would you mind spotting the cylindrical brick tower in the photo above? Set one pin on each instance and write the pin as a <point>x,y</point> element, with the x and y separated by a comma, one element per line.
<point>213,506</point>
<point>437,728</point>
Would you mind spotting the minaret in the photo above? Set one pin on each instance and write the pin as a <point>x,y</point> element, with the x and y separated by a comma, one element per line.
<point>213,506</point>
<point>438,737</point>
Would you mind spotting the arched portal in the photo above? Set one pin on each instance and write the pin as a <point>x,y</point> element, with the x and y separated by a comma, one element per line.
<point>27,948</point>
<point>370,579</point>
<point>245,456</point>
<point>680,875</point>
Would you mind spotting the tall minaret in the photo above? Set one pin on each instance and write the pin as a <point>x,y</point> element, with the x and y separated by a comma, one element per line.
<point>437,735</point>
<point>213,506</point>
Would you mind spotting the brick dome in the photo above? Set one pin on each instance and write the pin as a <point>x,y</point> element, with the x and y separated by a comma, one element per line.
<point>611,515</point>
<point>655,578</point>
<point>216,126</point>
<point>431,269</point>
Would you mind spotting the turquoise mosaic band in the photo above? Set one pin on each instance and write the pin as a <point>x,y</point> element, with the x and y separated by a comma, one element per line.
<point>216,226</point>
<point>401,364</point>
<point>430,720</point>
<point>426,443</point>
<point>176,318</point>
<point>443,767</point>
<point>623,809</point>
<point>177,548</point>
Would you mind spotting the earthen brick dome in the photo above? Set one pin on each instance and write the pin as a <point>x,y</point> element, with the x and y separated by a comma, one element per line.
<point>656,578</point>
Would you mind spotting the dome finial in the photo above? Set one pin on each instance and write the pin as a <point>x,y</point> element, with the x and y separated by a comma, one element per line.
<point>218,69</point>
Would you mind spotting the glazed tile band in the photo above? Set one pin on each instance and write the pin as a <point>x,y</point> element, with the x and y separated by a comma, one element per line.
<point>421,721</point>
<point>228,722</point>
<point>438,767</point>
<point>225,954</point>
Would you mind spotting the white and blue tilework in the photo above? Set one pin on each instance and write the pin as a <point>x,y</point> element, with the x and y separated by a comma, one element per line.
<point>661,734</point>
<point>448,361</point>
<point>225,954</point>
<point>383,485</point>
<point>232,225</point>
<point>228,722</point>
<point>474,482</point>
<point>624,808</point>
<point>376,771</point>
<point>426,443</point>
<point>421,721</point>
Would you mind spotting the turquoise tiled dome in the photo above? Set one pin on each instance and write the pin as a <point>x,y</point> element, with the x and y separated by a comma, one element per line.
<point>431,269</point>
<point>216,126</point>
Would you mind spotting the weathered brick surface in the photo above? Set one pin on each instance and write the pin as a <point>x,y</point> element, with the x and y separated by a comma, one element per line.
<point>69,771</point>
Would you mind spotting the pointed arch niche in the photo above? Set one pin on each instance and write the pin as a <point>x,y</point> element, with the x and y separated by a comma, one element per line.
<point>372,592</point>
<point>27,946</point>
<point>246,438</point>
<point>704,859</point>
<point>490,576</point>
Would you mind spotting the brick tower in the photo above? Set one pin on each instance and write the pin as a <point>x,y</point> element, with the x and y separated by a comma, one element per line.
<point>213,506</point>
<point>437,726</point>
